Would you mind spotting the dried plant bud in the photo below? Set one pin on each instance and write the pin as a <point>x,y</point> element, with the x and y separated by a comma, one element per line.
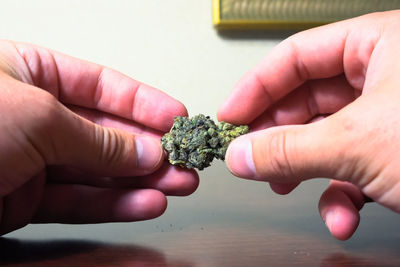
<point>195,142</point>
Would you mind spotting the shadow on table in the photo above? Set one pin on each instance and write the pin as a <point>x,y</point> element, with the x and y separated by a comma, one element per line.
<point>80,253</point>
<point>343,259</point>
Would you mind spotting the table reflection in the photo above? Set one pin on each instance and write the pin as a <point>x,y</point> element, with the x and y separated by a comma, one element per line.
<point>80,253</point>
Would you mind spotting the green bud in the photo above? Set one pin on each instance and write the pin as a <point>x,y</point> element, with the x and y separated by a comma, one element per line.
<point>195,142</point>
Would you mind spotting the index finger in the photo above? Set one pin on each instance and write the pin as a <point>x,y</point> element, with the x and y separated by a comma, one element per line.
<point>314,54</point>
<point>81,83</point>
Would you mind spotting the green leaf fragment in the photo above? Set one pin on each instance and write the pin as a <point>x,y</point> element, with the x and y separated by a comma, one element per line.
<point>195,142</point>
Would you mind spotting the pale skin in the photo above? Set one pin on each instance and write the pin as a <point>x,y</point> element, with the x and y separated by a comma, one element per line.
<point>325,103</point>
<point>80,143</point>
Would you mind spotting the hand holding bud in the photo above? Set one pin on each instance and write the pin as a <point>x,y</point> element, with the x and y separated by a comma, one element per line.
<point>195,142</point>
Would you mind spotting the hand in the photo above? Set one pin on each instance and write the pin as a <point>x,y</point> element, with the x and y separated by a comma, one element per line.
<point>326,104</point>
<point>80,143</point>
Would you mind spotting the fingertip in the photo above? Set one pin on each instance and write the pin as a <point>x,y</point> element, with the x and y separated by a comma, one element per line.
<point>283,189</point>
<point>342,222</point>
<point>177,108</point>
<point>175,181</point>
<point>160,205</point>
<point>156,109</point>
<point>149,154</point>
<point>236,111</point>
<point>181,110</point>
<point>185,183</point>
<point>239,158</point>
<point>227,110</point>
<point>147,204</point>
<point>222,114</point>
<point>339,213</point>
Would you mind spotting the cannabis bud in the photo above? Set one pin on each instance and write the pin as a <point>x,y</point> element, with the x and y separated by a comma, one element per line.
<point>195,142</point>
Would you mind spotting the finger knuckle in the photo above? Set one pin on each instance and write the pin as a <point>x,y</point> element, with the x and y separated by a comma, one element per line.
<point>279,155</point>
<point>110,145</point>
<point>48,111</point>
<point>40,124</point>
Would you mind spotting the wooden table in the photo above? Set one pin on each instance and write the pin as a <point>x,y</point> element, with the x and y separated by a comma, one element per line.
<point>227,222</point>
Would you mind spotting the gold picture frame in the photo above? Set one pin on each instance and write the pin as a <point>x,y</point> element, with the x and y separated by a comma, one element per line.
<point>291,14</point>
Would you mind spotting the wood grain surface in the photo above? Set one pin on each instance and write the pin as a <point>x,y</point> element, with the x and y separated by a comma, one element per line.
<point>250,226</point>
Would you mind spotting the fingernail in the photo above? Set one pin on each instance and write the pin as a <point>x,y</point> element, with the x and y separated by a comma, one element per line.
<point>239,158</point>
<point>149,152</point>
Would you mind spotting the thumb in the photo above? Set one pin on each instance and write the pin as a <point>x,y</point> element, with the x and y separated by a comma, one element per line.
<point>75,141</point>
<point>294,153</point>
